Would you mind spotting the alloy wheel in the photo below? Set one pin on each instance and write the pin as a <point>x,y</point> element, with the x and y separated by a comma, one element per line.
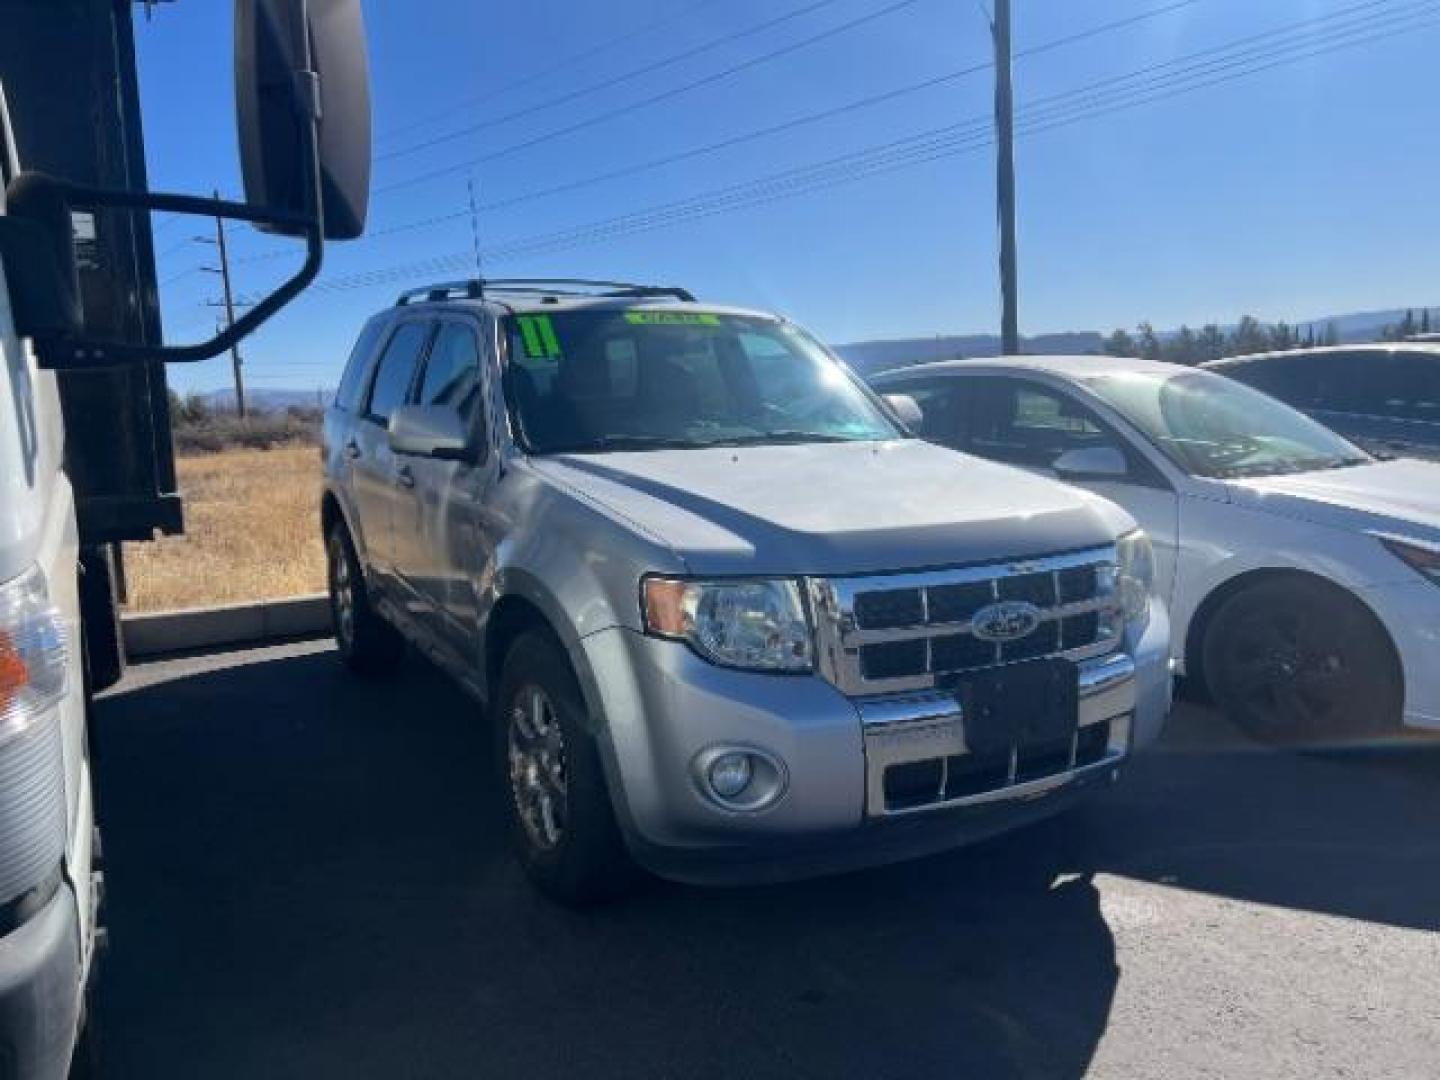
<point>538,767</point>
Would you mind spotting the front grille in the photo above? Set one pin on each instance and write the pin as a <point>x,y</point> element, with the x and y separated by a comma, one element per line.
<point>903,632</point>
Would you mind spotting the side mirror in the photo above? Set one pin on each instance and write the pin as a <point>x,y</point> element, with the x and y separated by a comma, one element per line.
<point>1092,463</point>
<point>433,431</point>
<point>907,409</point>
<point>276,42</point>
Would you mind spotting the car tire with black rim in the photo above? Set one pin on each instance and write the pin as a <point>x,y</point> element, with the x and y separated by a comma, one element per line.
<point>557,802</point>
<point>1295,661</point>
<point>368,645</point>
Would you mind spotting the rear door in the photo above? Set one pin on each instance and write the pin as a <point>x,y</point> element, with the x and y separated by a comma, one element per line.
<point>374,482</point>
<point>443,536</point>
<point>1030,423</point>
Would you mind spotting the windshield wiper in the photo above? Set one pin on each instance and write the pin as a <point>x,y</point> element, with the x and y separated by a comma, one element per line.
<point>620,443</point>
<point>783,438</point>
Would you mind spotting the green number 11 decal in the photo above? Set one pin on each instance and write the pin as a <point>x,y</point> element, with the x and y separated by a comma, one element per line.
<point>539,336</point>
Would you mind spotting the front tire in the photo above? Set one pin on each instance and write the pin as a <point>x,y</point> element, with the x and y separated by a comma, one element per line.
<point>1293,662</point>
<point>562,824</point>
<point>369,646</point>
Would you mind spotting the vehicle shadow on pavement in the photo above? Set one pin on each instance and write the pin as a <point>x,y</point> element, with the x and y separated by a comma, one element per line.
<point>307,878</point>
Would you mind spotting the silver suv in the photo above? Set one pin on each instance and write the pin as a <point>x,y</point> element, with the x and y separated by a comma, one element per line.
<point>729,620</point>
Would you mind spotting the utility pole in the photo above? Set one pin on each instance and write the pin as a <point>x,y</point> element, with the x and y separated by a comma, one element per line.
<point>1005,181</point>
<point>224,271</point>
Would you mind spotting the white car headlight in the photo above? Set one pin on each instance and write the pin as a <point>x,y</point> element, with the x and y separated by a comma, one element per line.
<point>33,653</point>
<point>1135,577</point>
<point>755,625</point>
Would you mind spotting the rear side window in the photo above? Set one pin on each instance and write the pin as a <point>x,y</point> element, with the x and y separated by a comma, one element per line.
<point>396,370</point>
<point>1291,379</point>
<point>347,397</point>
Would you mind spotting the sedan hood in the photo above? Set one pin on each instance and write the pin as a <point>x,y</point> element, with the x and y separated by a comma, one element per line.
<point>1401,495</point>
<point>835,508</point>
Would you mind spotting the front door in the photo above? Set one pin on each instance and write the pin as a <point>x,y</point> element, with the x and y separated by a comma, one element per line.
<point>444,549</point>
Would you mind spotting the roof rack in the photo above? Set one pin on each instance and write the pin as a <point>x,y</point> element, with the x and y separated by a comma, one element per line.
<point>476,288</point>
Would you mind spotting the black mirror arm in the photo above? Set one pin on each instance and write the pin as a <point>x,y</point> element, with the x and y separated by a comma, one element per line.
<point>72,353</point>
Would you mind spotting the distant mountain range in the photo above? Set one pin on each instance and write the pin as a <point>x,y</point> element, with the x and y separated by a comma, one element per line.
<point>869,357</point>
<point>267,399</point>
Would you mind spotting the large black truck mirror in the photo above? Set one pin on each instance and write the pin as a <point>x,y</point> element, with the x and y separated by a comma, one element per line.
<point>275,39</point>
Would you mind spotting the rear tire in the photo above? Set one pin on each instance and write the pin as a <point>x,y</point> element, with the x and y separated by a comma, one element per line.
<point>561,820</point>
<point>369,646</point>
<point>1293,662</point>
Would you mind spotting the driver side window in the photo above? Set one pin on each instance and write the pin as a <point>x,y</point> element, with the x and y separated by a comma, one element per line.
<point>1023,423</point>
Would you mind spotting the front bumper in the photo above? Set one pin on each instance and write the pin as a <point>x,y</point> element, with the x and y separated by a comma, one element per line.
<point>660,706</point>
<point>40,992</point>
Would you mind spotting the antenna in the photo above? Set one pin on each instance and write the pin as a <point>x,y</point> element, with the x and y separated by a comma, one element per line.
<point>475,227</point>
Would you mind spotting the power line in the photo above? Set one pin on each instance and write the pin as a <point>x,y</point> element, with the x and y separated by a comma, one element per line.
<point>751,136</point>
<point>657,98</point>
<point>611,82</point>
<point>563,65</point>
<point>788,125</point>
<point>925,147</point>
<point>1058,111</point>
<point>182,274</point>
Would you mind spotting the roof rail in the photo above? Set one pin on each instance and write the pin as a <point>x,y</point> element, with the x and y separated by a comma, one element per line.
<point>476,288</point>
<point>473,289</point>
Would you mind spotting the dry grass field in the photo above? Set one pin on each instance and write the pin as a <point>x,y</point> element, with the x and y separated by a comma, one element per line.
<point>252,523</point>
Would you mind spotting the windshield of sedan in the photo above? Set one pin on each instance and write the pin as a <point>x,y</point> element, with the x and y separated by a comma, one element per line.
<point>1212,426</point>
<point>597,381</point>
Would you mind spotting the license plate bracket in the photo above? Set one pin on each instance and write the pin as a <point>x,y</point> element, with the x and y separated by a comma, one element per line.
<point>1019,705</point>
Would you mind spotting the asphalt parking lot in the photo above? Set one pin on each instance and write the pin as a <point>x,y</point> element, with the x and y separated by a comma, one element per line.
<point>305,879</point>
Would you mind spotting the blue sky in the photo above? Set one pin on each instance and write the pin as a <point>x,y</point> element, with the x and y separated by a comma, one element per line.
<point>1294,192</point>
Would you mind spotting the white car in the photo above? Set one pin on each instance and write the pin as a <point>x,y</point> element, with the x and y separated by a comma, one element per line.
<point>1303,575</point>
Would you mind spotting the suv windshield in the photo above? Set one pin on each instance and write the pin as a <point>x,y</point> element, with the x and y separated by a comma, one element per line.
<point>596,381</point>
<point>1212,426</point>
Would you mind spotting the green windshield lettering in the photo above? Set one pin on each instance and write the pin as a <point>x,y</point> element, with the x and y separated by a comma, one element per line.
<point>547,336</point>
<point>671,318</point>
<point>539,337</point>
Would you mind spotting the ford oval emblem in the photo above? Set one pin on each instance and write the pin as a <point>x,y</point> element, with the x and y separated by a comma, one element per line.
<point>1008,620</point>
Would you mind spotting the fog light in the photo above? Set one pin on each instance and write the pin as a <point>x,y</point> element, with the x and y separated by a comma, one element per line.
<point>730,775</point>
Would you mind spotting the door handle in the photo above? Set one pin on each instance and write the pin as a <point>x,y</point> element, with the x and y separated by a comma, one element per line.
<point>352,449</point>
<point>404,477</point>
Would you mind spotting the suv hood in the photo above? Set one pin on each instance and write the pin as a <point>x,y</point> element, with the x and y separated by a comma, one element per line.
<point>1401,495</point>
<point>836,508</point>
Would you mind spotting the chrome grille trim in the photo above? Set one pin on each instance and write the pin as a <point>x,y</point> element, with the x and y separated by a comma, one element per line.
<point>839,638</point>
<point>934,630</point>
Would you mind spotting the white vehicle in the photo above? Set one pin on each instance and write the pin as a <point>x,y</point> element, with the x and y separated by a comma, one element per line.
<point>79,337</point>
<point>47,902</point>
<point>1303,575</point>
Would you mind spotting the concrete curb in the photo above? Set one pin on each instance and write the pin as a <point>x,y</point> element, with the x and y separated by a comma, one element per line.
<point>162,632</point>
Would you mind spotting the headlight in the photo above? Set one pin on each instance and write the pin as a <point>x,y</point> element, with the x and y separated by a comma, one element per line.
<point>1424,559</point>
<point>33,653</point>
<point>756,625</point>
<point>1135,577</point>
